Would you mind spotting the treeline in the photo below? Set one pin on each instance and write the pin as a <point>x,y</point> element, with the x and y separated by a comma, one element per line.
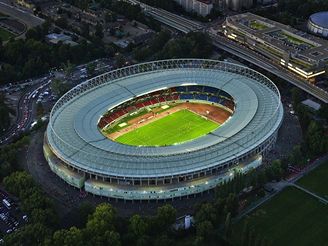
<point>192,45</point>
<point>40,210</point>
<point>103,226</point>
<point>315,140</point>
<point>293,12</point>
<point>9,156</point>
<point>4,115</point>
<point>22,59</point>
<point>302,9</point>
<point>133,12</point>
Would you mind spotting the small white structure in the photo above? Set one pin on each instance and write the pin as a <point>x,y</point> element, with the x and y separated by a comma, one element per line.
<point>55,38</point>
<point>311,104</point>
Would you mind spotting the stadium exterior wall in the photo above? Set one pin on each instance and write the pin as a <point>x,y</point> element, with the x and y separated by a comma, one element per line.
<point>315,27</point>
<point>166,186</point>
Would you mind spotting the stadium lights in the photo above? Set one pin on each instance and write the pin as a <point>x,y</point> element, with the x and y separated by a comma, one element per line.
<point>184,84</point>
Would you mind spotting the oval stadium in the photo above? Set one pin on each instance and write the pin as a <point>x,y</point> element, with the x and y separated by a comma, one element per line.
<point>318,24</point>
<point>164,129</point>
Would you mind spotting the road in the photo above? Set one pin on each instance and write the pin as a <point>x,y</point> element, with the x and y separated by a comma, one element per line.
<point>262,62</point>
<point>24,16</point>
<point>25,111</point>
<point>185,25</point>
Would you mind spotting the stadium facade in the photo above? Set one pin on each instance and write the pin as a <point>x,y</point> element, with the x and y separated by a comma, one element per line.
<point>82,156</point>
<point>318,24</point>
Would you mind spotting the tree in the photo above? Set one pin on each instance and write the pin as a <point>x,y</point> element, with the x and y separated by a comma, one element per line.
<point>137,226</point>
<point>59,87</point>
<point>4,115</point>
<point>205,230</point>
<point>315,142</point>
<point>165,217</point>
<point>227,227</point>
<point>120,60</point>
<point>206,212</point>
<point>85,209</point>
<point>68,67</point>
<point>28,235</point>
<point>99,31</point>
<point>91,68</point>
<point>100,228</point>
<point>296,96</point>
<point>73,236</point>
<point>18,182</point>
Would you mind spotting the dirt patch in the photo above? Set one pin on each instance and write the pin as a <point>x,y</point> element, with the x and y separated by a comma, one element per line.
<point>212,112</point>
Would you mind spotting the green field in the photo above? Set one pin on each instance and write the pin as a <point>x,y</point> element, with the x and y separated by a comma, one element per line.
<point>5,35</point>
<point>175,128</point>
<point>290,218</point>
<point>317,180</point>
<point>258,25</point>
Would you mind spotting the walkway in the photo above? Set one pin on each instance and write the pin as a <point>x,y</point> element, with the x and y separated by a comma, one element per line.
<point>321,199</point>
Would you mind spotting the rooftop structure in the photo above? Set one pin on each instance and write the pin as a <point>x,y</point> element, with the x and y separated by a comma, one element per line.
<point>303,54</point>
<point>55,38</point>
<point>311,104</point>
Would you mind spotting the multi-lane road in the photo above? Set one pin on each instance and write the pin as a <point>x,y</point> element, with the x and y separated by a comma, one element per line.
<point>24,16</point>
<point>268,65</point>
<point>185,25</point>
<point>25,110</point>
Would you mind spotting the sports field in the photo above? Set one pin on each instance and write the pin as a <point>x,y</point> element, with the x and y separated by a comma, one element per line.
<point>175,128</point>
<point>290,218</point>
<point>317,180</point>
<point>5,35</point>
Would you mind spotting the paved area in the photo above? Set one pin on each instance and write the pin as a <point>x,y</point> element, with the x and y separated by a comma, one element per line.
<point>321,199</point>
<point>26,17</point>
<point>290,134</point>
<point>67,198</point>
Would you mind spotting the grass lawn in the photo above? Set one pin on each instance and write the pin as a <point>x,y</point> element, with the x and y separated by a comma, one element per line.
<point>175,128</point>
<point>290,218</point>
<point>5,35</point>
<point>258,26</point>
<point>317,180</point>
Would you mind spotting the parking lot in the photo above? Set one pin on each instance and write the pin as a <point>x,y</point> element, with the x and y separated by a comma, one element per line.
<point>11,218</point>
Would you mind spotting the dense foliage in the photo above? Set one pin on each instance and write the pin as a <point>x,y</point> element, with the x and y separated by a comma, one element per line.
<point>4,114</point>
<point>24,59</point>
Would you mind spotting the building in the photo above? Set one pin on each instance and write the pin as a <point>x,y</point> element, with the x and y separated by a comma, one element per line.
<point>299,52</point>
<point>78,152</point>
<point>311,104</point>
<point>237,5</point>
<point>201,7</point>
<point>318,24</point>
<point>55,38</point>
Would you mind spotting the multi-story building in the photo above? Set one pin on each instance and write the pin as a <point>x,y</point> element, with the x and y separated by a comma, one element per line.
<point>237,5</point>
<point>201,7</point>
<point>299,52</point>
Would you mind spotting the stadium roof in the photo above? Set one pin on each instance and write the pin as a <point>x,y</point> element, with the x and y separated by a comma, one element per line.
<point>320,19</point>
<point>74,136</point>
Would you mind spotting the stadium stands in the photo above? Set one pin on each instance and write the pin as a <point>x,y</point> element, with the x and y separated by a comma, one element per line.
<point>195,92</point>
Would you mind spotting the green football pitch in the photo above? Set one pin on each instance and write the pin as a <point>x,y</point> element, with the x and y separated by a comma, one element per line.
<point>175,128</point>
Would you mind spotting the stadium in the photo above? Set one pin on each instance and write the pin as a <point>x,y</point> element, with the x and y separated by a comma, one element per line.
<point>163,129</point>
<point>318,24</point>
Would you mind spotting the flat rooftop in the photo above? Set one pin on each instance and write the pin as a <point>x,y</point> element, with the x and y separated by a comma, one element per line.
<point>296,42</point>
